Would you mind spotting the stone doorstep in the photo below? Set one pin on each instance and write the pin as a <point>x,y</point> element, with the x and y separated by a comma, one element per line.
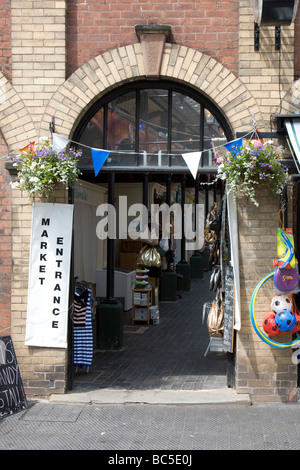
<point>154,397</point>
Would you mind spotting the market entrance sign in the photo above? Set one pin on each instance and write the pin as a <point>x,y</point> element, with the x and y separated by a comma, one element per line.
<point>49,275</point>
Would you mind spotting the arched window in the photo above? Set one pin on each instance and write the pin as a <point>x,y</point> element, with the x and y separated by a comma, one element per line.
<point>152,124</point>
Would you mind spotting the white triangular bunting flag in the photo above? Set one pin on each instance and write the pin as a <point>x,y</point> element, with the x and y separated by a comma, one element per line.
<point>59,142</point>
<point>192,160</point>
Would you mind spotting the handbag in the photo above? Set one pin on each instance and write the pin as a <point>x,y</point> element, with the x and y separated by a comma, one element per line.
<point>215,279</point>
<point>215,319</point>
<point>215,224</point>
<point>214,254</point>
<point>209,236</point>
<point>149,257</point>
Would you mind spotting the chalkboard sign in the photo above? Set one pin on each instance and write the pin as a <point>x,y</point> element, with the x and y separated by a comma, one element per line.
<point>12,396</point>
<point>228,310</point>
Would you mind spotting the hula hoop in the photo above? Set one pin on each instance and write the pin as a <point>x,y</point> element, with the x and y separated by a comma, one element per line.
<point>262,336</point>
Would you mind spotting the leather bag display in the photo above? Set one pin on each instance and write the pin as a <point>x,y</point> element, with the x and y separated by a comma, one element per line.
<point>215,318</point>
<point>149,257</point>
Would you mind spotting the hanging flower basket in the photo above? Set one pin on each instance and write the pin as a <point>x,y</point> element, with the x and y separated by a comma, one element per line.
<point>251,165</point>
<point>40,170</point>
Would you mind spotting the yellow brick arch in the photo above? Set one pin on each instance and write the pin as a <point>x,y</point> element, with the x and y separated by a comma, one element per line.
<point>291,101</point>
<point>125,64</point>
<point>16,124</point>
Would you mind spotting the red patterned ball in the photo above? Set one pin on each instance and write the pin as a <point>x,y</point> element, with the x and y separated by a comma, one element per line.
<point>269,325</point>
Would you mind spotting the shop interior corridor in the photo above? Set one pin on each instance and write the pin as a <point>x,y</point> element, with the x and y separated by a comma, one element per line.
<point>166,356</point>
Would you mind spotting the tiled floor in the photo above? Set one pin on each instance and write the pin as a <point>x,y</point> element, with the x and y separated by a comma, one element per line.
<point>167,356</point>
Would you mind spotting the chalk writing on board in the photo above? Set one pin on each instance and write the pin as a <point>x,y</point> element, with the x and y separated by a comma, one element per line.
<point>12,396</point>
<point>228,311</point>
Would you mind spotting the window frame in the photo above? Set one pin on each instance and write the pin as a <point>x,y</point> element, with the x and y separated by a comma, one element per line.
<point>137,86</point>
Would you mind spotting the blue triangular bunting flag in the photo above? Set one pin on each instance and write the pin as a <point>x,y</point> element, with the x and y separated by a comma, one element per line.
<point>234,145</point>
<point>99,158</point>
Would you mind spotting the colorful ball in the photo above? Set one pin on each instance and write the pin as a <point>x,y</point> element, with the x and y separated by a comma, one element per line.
<point>285,320</point>
<point>281,302</point>
<point>296,328</point>
<point>269,325</point>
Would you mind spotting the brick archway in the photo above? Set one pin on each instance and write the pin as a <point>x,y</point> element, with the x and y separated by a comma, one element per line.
<point>119,66</point>
<point>291,101</point>
<point>125,64</point>
<point>16,124</point>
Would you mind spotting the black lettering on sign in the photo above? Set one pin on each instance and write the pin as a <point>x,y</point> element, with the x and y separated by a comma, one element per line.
<point>12,395</point>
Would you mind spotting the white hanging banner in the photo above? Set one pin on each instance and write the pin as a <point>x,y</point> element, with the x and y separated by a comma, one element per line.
<point>49,275</point>
<point>234,243</point>
<point>192,160</point>
<point>59,142</point>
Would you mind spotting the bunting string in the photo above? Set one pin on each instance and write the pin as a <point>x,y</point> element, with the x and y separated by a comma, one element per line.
<point>99,156</point>
<point>125,152</point>
<point>192,159</point>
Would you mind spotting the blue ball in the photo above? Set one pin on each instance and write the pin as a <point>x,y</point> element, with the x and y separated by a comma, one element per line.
<point>285,320</point>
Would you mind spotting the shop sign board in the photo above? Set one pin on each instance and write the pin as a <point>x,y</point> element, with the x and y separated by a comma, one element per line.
<point>12,395</point>
<point>49,275</point>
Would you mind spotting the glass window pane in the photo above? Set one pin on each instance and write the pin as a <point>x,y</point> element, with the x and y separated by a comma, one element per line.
<point>185,126</point>
<point>157,144</point>
<point>92,136</point>
<point>153,124</point>
<point>121,129</point>
<point>214,139</point>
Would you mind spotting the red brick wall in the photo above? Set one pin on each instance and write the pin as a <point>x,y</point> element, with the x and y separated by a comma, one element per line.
<point>5,243</point>
<point>95,26</point>
<point>5,38</point>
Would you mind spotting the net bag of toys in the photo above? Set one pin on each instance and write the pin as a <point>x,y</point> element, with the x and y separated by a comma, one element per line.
<point>283,316</point>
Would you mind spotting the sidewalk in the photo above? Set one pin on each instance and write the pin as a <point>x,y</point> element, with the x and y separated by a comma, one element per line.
<point>172,429</point>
